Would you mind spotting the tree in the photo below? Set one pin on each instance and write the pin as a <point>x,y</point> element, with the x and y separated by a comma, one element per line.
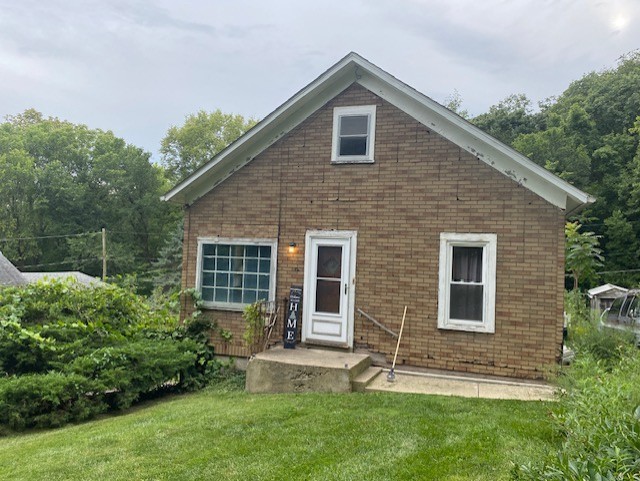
<point>168,267</point>
<point>508,119</point>
<point>622,250</point>
<point>59,178</point>
<point>582,254</point>
<point>454,103</point>
<point>202,136</point>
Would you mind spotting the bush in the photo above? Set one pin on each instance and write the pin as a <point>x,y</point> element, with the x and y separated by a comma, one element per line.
<point>600,422</point>
<point>598,419</point>
<point>72,351</point>
<point>128,371</point>
<point>587,335</point>
<point>47,400</point>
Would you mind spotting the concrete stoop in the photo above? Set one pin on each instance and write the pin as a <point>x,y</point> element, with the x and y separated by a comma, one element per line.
<point>281,370</point>
<point>302,369</point>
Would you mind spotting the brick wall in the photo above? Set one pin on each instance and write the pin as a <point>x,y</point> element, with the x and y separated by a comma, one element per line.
<point>419,186</point>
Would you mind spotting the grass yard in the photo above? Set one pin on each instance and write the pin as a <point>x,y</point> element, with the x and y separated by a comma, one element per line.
<point>223,433</point>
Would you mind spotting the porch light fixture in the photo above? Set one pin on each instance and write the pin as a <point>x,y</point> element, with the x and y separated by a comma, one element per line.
<point>292,247</point>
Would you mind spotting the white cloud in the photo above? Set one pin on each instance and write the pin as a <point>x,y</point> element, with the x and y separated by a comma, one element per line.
<point>136,67</point>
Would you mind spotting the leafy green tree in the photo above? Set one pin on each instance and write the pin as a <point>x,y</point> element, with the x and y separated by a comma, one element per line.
<point>202,136</point>
<point>58,178</point>
<point>18,205</point>
<point>555,149</point>
<point>622,249</point>
<point>454,103</point>
<point>168,267</point>
<point>583,255</point>
<point>510,118</point>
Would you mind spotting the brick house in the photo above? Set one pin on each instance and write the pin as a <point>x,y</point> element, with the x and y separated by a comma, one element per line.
<point>372,196</point>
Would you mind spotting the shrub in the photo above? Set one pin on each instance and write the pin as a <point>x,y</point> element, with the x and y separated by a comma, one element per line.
<point>587,335</point>
<point>47,400</point>
<point>599,420</point>
<point>138,367</point>
<point>23,350</point>
<point>72,351</point>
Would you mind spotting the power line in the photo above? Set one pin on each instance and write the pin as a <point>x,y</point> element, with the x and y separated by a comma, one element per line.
<point>61,262</point>
<point>58,236</point>
<point>618,271</point>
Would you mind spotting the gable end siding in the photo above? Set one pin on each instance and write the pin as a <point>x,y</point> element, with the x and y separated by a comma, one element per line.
<point>419,186</point>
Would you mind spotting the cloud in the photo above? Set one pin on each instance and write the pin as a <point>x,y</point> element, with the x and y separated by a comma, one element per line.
<point>138,66</point>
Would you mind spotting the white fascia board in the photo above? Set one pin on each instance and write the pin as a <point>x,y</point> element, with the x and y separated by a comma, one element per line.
<point>475,141</point>
<point>273,127</point>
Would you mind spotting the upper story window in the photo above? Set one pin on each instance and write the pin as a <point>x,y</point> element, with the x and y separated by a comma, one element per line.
<point>235,272</point>
<point>467,288</point>
<point>353,133</point>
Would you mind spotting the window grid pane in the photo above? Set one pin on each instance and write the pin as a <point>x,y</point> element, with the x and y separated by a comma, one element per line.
<point>236,274</point>
<point>466,289</point>
<point>353,135</point>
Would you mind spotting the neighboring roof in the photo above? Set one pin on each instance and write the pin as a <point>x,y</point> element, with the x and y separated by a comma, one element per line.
<point>9,274</point>
<point>355,69</point>
<point>81,277</point>
<point>605,288</point>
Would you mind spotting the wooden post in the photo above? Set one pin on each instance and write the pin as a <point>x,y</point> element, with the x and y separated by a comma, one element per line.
<point>104,254</point>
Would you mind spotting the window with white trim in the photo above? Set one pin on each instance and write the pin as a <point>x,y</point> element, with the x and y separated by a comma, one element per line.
<point>353,133</point>
<point>467,287</point>
<point>235,272</point>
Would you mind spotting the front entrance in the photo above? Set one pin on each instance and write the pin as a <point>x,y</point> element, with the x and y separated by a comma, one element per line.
<point>329,287</point>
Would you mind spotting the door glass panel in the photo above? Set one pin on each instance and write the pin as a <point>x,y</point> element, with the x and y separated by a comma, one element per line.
<point>328,296</point>
<point>330,262</point>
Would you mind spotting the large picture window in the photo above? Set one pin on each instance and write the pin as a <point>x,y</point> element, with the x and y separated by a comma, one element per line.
<point>467,287</point>
<point>235,272</point>
<point>353,133</point>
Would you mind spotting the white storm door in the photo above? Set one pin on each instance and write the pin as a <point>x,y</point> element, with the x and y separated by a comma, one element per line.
<point>329,288</point>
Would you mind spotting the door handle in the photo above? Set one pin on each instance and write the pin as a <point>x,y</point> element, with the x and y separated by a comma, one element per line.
<point>345,287</point>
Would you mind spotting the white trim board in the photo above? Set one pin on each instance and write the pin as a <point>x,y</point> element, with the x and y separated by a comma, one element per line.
<point>355,69</point>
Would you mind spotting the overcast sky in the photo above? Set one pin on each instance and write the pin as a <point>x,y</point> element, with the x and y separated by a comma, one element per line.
<point>138,67</point>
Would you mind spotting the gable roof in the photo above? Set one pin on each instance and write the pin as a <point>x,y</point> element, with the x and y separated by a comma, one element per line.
<point>617,291</point>
<point>9,274</point>
<point>355,69</point>
<point>80,277</point>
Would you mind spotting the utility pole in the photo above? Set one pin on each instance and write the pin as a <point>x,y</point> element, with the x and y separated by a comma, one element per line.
<point>104,254</point>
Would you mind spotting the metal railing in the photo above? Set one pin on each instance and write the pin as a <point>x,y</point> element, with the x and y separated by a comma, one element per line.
<point>377,323</point>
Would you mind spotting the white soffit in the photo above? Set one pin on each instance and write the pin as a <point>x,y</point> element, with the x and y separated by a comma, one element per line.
<point>434,116</point>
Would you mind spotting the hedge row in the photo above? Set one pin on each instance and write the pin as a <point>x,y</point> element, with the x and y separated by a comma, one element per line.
<point>68,353</point>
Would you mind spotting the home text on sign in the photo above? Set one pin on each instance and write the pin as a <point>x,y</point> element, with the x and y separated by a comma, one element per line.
<point>293,314</point>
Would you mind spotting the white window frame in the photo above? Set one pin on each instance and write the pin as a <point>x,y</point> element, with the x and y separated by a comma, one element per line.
<point>338,112</point>
<point>233,306</point>
<point>489,243</point>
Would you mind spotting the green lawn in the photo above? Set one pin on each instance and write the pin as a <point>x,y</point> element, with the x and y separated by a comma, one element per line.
<point>223,433</point>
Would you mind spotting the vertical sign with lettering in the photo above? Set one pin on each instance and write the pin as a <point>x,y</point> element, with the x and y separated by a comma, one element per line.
<point>291,320</point>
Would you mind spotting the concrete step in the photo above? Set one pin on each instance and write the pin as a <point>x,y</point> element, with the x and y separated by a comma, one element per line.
<point>281,370</point>
<point>360,383</point>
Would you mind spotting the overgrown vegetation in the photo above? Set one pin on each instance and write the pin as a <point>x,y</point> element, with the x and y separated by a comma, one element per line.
<point>598,417</point>
<point>68,352</point>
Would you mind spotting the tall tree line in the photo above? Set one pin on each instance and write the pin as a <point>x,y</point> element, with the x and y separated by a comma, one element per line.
<point>589,136</point>
<point>61,183</point>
